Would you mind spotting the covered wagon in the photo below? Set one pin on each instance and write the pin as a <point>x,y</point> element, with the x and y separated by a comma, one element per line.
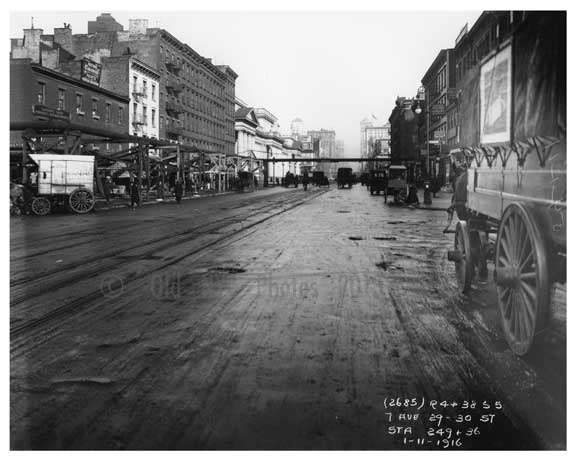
<point>62,180</point>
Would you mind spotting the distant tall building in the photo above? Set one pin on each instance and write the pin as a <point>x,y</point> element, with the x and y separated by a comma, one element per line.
<point>364,124</point>
<point>297,128</point>
<point>326,142</point>
<point>377,140</point>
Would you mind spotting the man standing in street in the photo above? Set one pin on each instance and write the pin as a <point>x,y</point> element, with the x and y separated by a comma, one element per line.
<point>178,190</point>
<point>107,186</point>
<point>134,195</point>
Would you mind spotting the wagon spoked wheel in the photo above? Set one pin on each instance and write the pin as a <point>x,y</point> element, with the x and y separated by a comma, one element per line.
<point>40,206</point>
<point>463,263</point>
<point>81,201</point>
<point>522,279</point>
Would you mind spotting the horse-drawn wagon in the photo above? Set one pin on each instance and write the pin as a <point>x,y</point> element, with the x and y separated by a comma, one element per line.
<point>511,197</point>
<point>62,180</point>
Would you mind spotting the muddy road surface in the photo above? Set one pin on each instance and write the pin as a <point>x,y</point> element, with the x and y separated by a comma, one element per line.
<point>281,319</point>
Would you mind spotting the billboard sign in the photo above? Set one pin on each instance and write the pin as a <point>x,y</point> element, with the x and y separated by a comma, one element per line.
<point>90,72</point>
<point>495,98</point>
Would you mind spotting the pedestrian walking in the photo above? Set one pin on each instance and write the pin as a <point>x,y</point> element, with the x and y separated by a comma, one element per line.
<point>134,196</point>
<point>107,186</point>
<point>178,191</point>
<point>412,196</point>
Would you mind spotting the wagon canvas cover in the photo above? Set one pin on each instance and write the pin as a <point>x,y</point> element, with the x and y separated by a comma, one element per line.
<point>62,174</point>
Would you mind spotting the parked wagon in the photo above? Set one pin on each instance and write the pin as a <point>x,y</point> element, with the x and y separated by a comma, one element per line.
<point>62,180</point>
<point>511,199</point>
<point>397,185</point>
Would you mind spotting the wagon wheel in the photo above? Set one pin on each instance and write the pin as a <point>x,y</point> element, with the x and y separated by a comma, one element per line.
<point>40,206</point>
<point>463,262</point>
<point>522,280</point>
<point>81,201</point>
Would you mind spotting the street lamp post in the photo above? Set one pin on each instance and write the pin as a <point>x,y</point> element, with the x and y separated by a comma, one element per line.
<point>418,110</point>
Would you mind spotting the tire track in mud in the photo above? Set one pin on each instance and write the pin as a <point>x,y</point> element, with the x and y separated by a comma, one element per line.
<point>164,238</point>
<point>441,363</point>
<point>16,332</point>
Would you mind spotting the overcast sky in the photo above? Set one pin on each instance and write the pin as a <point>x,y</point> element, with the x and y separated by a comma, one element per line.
<point>330,68</point>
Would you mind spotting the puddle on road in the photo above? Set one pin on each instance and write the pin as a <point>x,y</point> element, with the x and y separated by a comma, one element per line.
<point>355,238</point>
<point>385,266</point>
<point>396,222</point>
<point>384,238</point>
<point>342,211</point>
<point>227,270</point>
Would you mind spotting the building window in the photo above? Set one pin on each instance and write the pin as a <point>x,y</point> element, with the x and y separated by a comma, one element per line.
<point>120,115</point>
<point>153,118</point>
<point>41,93</point>
<point>135,84</point>
<point>80,104</point>
<point>161,121</point>
<point>145,88</point>
<point>153,92</point>
<point>95,114</point>
<point>61,99</point>
<point>107,113</point>
<point>145,115</point>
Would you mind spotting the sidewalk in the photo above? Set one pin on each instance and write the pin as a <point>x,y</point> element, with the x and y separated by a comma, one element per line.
<point>439,203</point>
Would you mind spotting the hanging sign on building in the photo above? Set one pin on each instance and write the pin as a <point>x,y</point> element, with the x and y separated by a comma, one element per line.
<point>90,72</point>
<point>439,134</point>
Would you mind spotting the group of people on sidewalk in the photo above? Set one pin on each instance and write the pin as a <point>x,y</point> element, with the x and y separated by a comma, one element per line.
<point>135,192</point>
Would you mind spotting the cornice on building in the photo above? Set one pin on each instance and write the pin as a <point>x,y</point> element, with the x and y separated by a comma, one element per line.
<point>436,64</point>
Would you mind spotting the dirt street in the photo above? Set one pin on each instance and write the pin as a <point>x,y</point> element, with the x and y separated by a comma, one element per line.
<point>281,319</point>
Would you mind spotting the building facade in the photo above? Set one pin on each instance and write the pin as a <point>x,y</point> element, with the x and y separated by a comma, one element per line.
<point>326,148</point>
<point>195,96</point>
<point>377,139</point>
<point>439,91</point>
<point>127,75</point>
<point>297,128</point>
<point>41,94</point>
<point>404,146</point>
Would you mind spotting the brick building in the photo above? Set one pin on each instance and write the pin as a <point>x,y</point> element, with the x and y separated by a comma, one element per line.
<point>127,75</point>
<point>41,94</point>
<point>438,82</point>
<point>195,97</point>
<point>404,148</point>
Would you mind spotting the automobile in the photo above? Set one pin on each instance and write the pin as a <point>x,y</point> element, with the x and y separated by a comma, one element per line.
<point>344,177</point>
<point>378,182</point>
<point>320,179</point>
